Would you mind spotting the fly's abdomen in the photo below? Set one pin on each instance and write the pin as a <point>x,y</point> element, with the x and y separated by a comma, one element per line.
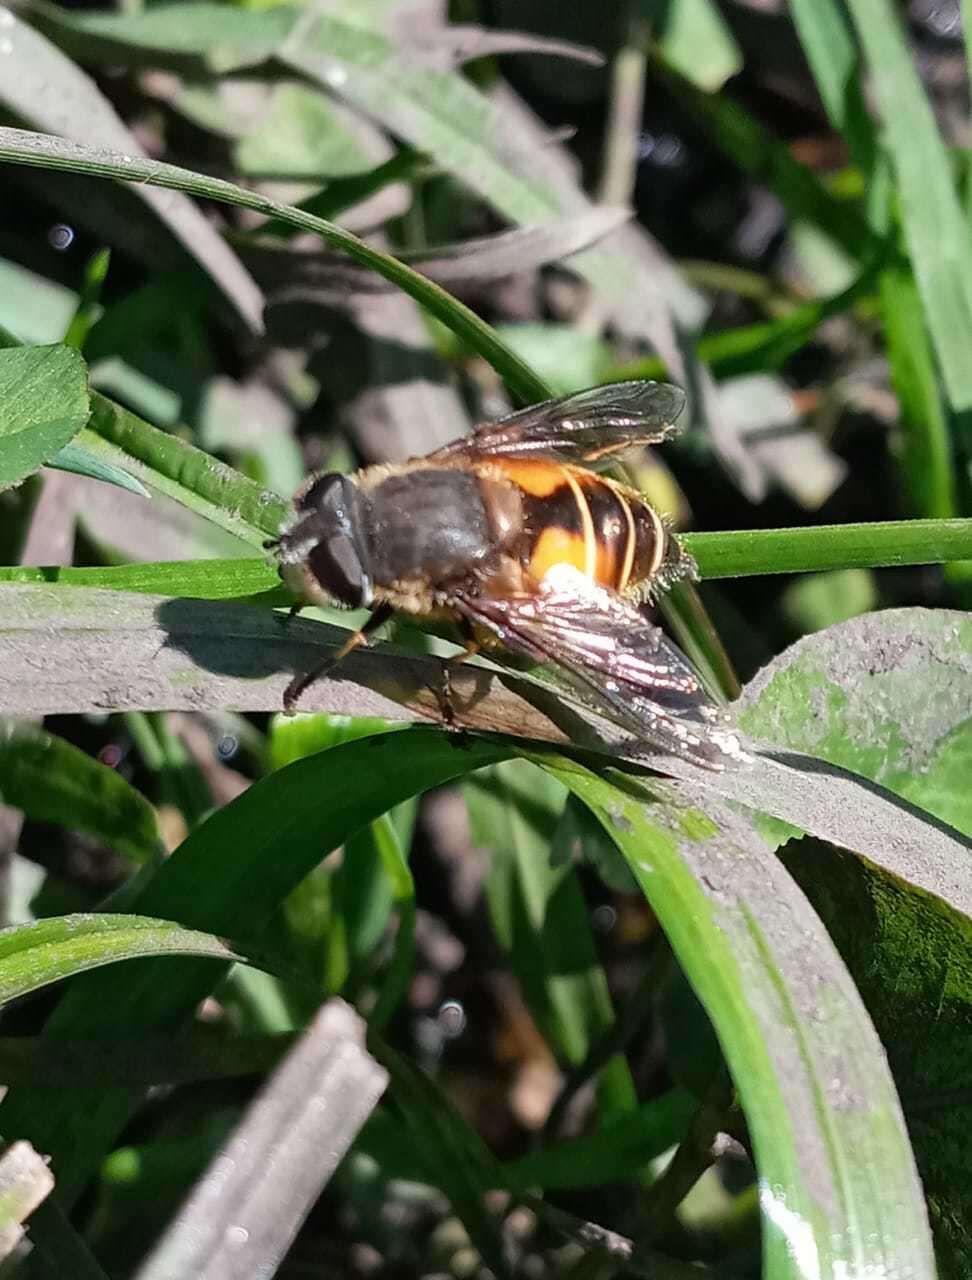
<point>430,524</point>
<point>574,517</point>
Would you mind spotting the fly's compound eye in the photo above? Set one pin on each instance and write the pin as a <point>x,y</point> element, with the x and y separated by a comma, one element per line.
<point>332,511</point>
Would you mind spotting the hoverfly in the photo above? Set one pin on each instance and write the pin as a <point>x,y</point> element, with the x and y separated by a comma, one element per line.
<point>511,534</point>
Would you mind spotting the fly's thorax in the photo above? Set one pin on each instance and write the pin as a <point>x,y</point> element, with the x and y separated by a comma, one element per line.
<point>438,525</point>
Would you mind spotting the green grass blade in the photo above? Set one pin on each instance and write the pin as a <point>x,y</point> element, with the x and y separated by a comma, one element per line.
<point>927,464</point>
<point>32,956</point>
<point>195,579</point>
<point>839,1187</point>
<point>225,879</point>
<point>811,549</point>
<point>538,911</point>
<point>181,471</point>
<point>52,781</point>
<point>935,228</point>
<point>21,147</point>
<point>726,554</point>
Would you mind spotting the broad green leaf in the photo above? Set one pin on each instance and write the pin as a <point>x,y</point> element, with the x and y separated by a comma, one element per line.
<point>568,358</point>
<point>224,37</point>
<point>233,870</point>
<point>819,600</point>
<point>34,955</point>
<point>839,1191</point>
<point>888,695</point>
<point>43,405</point>
<point>39,309</point>
<point>302,134</point>
<point>52,781</point>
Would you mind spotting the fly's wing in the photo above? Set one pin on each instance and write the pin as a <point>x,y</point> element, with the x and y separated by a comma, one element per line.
<point>588,428</point>
<point>615,661</point>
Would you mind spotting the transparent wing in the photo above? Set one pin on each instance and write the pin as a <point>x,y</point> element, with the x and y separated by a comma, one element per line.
<point>588,427</point>
<point>615,661</point>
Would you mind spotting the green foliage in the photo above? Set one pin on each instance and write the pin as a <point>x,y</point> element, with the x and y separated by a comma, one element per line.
<point>788,949</point>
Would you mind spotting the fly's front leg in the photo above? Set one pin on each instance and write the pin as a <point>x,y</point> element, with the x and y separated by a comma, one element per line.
<point>302,682</point>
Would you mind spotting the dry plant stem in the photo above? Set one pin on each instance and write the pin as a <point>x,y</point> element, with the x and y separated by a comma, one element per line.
<point>635,1259</point>
<point>620,141</point>
<point>705,1141</point>
<point>624,119</point>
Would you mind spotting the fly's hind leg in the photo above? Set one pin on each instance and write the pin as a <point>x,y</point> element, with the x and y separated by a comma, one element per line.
<point>302,682</point>
<point>444,692</point>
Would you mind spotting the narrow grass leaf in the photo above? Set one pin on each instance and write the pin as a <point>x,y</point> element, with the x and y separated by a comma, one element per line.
<point>44,88</point>
<point>196,579</point>
<point>449,1152</point>
<point>179,470</point>
<point>935,228</point>
<point>75,459</point>
<point>696,41</point>
<point>928,464</point>
<point>52,781</point>
<point>236,867</point>
<point>34,955</point>
<point>43,405</point>
<point>538,911</point>
<point>620,1149</point>
<point>20,146</point>
<point>837,1175</point>
<point>726,554</point>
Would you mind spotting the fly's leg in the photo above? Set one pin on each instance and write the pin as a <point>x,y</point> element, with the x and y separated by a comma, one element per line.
<point>302,682</point>
<point>444,692</point>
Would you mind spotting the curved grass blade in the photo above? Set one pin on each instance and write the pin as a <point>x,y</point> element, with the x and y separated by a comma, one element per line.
<point>838,1186</point>
<point>52,781</point>
<point>22,147</point>
<point>225,878</point>
<point>32,956</point>
<point>43,87</point>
